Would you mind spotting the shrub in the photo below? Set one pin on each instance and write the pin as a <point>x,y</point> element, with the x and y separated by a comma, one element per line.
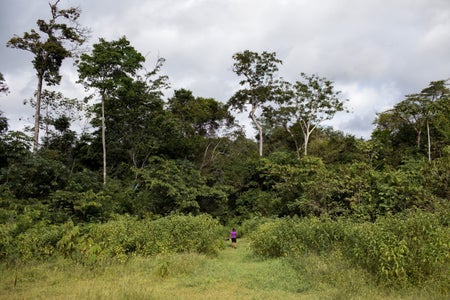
<point>39,241</point>
<point>118,237</point>
<point>124,236</point>
<point>277,238</point>
<point>201,234</point>
<point>402,249</point>
<point>7,241</point>
<point>406,249</point>
<point>293,237</point>
<point>251,225</point>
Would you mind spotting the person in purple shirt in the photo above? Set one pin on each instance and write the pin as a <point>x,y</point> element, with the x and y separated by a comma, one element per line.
<point>233,237</point>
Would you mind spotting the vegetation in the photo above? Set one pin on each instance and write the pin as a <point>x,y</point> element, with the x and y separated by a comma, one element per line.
<point>59,41</point>
<point>330,215</point>
<point>396,251</point>
<point>233,274</point>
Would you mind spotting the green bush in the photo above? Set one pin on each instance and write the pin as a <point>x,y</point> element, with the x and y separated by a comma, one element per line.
<point>280,237</point>
<point>293,237</point>
<point>201,234</point>
<point>401,249</point>
<point>118,237</point>
<point>406,249</point>
<point>124,236</point>
<point>39,241</point>
<point>251,225</point>
<point>7,241</point>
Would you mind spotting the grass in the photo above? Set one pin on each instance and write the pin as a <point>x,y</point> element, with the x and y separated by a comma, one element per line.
<point>234,274</point>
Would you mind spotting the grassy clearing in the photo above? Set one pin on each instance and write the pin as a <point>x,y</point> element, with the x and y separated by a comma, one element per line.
<point>234,274</point>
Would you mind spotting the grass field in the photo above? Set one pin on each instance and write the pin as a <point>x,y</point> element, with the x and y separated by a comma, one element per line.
<point>234,274</point>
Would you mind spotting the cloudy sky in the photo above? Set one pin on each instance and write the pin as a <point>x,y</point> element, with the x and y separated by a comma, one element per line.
<point>375,51</point>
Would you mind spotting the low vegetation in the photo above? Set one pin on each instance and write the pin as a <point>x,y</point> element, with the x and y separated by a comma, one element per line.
<point>409,249</point>
<point>401,257</point>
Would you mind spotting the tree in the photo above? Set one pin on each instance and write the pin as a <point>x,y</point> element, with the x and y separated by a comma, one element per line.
<point>199,120</point>
<point>435,98</point>
<point>3,87</point>
<point>137,124</point>
<point>55,106</point>
<point>108,69</point>
<point>411,111</point>
<point>202,116</point>
<point>3,146</point>
<point>57,41</point>
<point>259,84</point>
<point>418,113</point>
<point>308,103</point>
<point>398,138</point>
<point>61,142</point>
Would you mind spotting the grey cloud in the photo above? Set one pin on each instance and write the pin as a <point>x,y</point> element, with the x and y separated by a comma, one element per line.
<point>374,51</point>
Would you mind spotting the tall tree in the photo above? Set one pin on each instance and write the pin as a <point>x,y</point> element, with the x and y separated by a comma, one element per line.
<point>424,112</point>
<point>59,38</point>
<point>435,98</point>
<point>411,112</point>
<point>258,82</point>
<point>109,68</point>
<point>307,103</point>
<point>137,125</point>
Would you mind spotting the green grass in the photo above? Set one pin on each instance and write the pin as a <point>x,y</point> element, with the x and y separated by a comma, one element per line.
<point>234,274</point>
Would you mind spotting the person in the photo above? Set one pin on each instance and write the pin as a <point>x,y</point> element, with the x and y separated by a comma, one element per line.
<point>233,237</point>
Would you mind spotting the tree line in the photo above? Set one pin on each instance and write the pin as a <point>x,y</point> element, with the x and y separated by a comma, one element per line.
<point>149,156</point>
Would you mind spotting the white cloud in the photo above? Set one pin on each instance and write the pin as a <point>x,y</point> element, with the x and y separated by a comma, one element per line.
<point>364,102</point>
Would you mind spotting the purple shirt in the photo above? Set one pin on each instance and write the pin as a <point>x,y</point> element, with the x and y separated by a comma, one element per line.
<point>233,234</point>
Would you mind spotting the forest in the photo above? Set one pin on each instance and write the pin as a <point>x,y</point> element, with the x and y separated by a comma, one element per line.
<point>154,172</point>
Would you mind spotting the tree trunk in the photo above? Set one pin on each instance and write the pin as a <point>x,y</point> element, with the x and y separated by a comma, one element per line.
<point>429,140</point>
<point>37,115</point>
<point>419,134</point>
<point>307,130</point>
<point>104,138</point>
<point>260,130</point>
<point>205,160</point>
<point>306,142</point>
<point>297,147</point>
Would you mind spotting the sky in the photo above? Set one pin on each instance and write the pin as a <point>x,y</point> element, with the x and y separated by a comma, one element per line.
<point>374,51</point>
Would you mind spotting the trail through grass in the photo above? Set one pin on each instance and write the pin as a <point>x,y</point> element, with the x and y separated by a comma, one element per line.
<point>234,274</point>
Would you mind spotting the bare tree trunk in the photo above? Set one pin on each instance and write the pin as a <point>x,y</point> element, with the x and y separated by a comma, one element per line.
<point>260,139</point>
<point>103,139</point>
<point>260,130</point>
<point>307,130</point>
<point>308,134</point>
<point>37,115</point>
<point>429,140</point>
<point>213,156</point>
<point>419,134</point>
